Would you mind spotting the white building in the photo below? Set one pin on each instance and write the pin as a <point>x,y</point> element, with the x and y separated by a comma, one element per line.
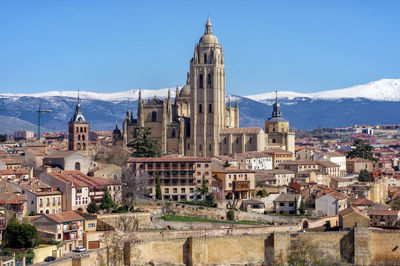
<point>255,161</point>
<point>334,157</point>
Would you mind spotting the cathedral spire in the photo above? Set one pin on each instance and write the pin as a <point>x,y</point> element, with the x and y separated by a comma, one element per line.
<point>176,93</point>
<point>140,96</point>
<point>208,27</point>
<point>78,116</point>
<point>229,101</point>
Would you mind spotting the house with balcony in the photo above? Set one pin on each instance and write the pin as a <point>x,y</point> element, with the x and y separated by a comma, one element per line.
<point>41,197</point>
<point>254,160</point>
<point>79,189</point>
<point>179,176</point>
<point>67,227</point>
<point>235,183</point>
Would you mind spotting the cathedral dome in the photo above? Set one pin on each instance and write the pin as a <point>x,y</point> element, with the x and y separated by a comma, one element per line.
<point>208,37</point>
<point>185,91</point>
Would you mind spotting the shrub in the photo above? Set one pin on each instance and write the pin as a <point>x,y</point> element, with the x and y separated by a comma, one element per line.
<point>93,207</point>
<point>230,215</point>
<point>33,213</point>
<point>21,235</point>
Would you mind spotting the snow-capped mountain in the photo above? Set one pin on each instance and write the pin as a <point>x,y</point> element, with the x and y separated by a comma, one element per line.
<point>373,103</point>
<point>381,90</point>
<point>131,95</point>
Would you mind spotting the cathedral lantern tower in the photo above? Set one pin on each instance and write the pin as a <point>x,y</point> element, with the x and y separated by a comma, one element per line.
<point>78,130</point>
<point>207,95</point>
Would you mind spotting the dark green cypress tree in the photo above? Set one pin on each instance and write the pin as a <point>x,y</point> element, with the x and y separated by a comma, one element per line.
<point>158,187</point>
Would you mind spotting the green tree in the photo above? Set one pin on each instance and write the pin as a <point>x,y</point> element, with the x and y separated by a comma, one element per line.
<point>302,208</point>
<point>363,150</point>
<point>3,138</point>
<point>364,176</point>
<point>21,235</point>
<point>93,207</point>
<point>142,145</point>
<point>107,202</point>
<point>230,215</point>
<point>227,164</point>
<point>158,187</point>
<point>262,193</point>
<point>33,213</point>
<point>203,189</point>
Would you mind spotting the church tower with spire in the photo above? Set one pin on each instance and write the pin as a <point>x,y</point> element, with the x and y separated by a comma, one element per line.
<point>278,130</point>
<point>78,130</point>
<point>207,95</point>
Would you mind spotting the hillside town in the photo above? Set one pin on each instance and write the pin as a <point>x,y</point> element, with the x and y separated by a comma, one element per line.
<point>179,182</point>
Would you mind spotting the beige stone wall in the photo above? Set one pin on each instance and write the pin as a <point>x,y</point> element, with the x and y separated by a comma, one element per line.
<point>139,220</point>
<point>384,247</point>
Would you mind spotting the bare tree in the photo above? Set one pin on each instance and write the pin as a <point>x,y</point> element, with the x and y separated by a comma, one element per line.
<point>134,186</point>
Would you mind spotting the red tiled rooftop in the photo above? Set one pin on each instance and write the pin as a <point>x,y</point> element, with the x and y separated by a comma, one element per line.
<point>66,216</point>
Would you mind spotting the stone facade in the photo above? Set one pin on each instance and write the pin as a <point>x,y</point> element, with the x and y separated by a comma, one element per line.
<point>199,122</point>
<point>78,131</point>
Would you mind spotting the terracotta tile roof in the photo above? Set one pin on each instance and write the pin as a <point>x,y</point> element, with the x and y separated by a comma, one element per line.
<point>169,159</point>
<point>287,197</point>
<point>340,179</point>
<point>11,160</point>
<point>67,216</point>
<point>63,154</point>
<point>14,172</point>
<point>232,169</point>
<point>299,162</point>
<point>349,210</point>
<point>279,171</point>
<point>384,212</point>
<point>327,164</point>
<point>362,202</point>
<point>37,187</point>
<point>278,151</point>
<point>241,130</point>
<point>79,180</point>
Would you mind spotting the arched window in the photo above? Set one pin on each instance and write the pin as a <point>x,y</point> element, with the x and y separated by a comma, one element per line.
<point>47,211</point>
<point>200,108</point>
<point>78,146</point>
<point>273,141</point>
<point>209,81</point>
<point>173,133</point>
<point>84,146</point>
<point>154,116</point>
<point>77,166</point>
<point>81,129</point>
<point>77,130</point>
<point>83,137</point>
<point>201,81</point>
<point>224,140</point>
<point>85,129</point>
<point>237,140</point>
<point>79,137</point>
<point>250,140</point>
<point>205,58</point>
<point>210,108</point>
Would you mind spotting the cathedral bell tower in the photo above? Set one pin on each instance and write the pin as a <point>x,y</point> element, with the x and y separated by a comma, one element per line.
<point>207,95</point>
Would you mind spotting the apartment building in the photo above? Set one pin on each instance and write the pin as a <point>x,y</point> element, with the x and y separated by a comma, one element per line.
<point>179,176</point>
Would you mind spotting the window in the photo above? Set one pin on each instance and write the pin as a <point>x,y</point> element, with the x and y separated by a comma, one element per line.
<point>210,108</point>
<point>291,204</point>
<point>205,58</point>
<point>166,190</point>
<point>59,200</point>
<point>237,140</point>
<point>78,146</point>
<point>250,140</point>
<point>92,225</point>
<point>183,190</point>
<point>77,130</point>
<point>209,147</point>
<point>200,108</point>
<point>200,146</point>
<point>154,116</point>
<point>273,141</point>
<point>281,204</point>
<point>83,137</point>
<point>84,146</point>
<point>81,129</point>
<point>201,81</point>
<point>224,140</point>
<point>79,137</point>
<point>77,166</point>
<point>209,81</point>
<point>173,133</point>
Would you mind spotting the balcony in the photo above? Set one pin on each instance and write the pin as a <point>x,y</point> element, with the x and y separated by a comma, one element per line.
<point>241,185</point>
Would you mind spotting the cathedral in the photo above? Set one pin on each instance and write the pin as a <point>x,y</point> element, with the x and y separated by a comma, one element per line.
<point>197,121</point>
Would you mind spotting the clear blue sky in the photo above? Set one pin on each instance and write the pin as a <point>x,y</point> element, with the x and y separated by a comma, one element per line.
<point>117,45</point>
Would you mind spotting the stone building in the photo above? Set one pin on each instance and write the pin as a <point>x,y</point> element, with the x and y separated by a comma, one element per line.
<point>78,130</point>
<point>180,177</point>
<point>278,130</point>
<point>198,122</point>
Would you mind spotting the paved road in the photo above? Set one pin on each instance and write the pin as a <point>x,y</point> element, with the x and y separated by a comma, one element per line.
<point>66,256</point>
